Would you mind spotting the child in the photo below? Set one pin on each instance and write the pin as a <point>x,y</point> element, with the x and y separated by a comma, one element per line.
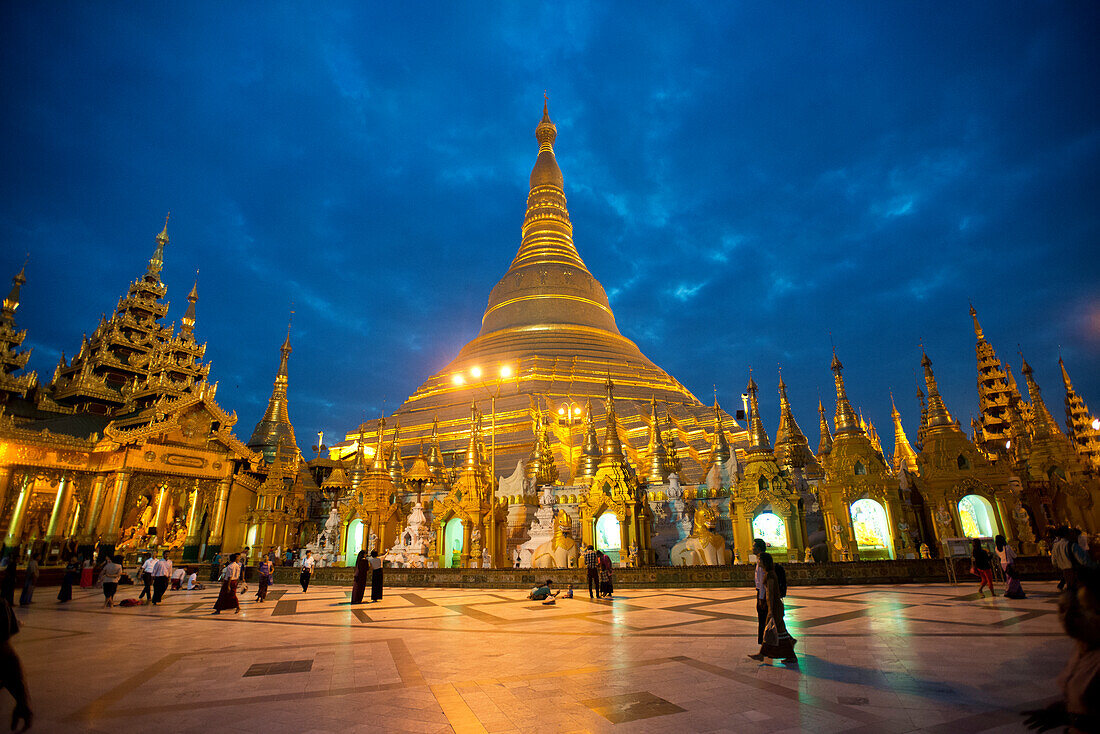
<point>568,592</point>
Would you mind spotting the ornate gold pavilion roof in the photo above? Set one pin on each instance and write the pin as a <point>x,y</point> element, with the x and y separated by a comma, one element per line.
<point>548,319</point>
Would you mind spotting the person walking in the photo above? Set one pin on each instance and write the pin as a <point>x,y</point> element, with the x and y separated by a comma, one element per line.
<point>982,566</point>
<point>112,572</point>
<point>362,572</point>
<point>216,567</point>
<point>147,576</point>
<point>72,576</point>
<point>606,587</point>
<point>778,642</point>
<point>162,574</point>
<point>375,577</point>
<point>30,579</point>
<point>11,671</point>
<point>227,597</point>
<point>307,571</point>
<point>265,569</point>
<point>1007,557</point>
<point>760,549</point>
<point>592,564</point>
<point>7,584</point>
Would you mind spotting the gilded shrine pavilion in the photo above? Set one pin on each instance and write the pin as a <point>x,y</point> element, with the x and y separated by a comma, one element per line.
<point>549,430</point>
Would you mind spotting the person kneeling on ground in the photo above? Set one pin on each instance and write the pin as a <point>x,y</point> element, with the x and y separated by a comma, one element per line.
<point>542,592</point>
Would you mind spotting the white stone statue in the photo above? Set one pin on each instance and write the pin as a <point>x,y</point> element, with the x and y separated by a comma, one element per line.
<point>542,527</point>
<point>561,551</point>
<point>486,559</point>
<point>703,547</point>
<point>413,546</point>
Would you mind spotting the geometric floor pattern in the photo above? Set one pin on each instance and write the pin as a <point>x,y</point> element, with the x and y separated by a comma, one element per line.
<point>876,659</point>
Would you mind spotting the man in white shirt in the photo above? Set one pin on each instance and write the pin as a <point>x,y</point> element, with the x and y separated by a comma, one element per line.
<point>162,572</point>
<point>147,576</point>
<point>178,577</point>
<point>307,571</point>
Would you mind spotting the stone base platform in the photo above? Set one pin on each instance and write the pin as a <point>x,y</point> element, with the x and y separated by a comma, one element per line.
<point>921,571</point>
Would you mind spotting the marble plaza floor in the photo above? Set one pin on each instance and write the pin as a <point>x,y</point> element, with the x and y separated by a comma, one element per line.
<point>928,658</point>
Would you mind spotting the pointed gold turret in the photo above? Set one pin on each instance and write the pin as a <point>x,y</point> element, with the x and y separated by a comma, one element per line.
<point>658,457</point>
<point>674,464</point>
<point>396,466</point>
<point>719,447</point>
<point>156,262</point>
<point>1043,423</point>
<point>937,411</point>
<point>612,445</point>
<point>904,455</point>
<point>274,429</point>
<point>825,445</point>
<point>358,470</point>
<point>1083,427</point>
<point>792,448</point>
<point>844,420</point>
<point>435,454</point>
<point>541,467</point>
<point>378,466</point>
<point>474,459</point>
<point>758,437</point>
<point>590,453</point>
<point>188,321</point>
<point>11,338</point>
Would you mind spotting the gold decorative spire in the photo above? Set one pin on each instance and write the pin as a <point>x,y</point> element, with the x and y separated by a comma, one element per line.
<point>845,418</point>
<point>674,464</point>
<point>396,465</point>
<point>378,466</point>
<point>612,446</point>
<point>188,320</point>
<point>358,466</point>
<point>11,303</point>
<point>719,448</point>
<point>977,327</point>
<point>590,453</point>
<point>1079,423</point>
<point>1044,424</point>
<point>547,271</point>
<point>904,455</point>
<point>274,429</point>
<point>435,454</point>
<point>825,445</point>
<point>758,437</point>
<point>474,461</point>
<point>156,262</point>
<point>937,411</point>
<point>541,466</point>
<point>658,457</point>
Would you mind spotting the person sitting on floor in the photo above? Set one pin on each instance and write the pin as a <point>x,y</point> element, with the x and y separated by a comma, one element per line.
<point>177,578</point>
<point>542,592</point>
<point>192,582</point>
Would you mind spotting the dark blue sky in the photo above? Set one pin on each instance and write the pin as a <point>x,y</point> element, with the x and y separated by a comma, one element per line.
<point>744,180</point>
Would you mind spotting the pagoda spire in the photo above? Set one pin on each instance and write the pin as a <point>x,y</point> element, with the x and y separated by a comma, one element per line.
<point>378,465</point>
<point>435,454</point>
<point>977,327</point>
<point>156,262</point>
<point>1080,423</point>
<point>12,360</point>
<point>358,468</point>
<point>1043,422</point>
<point>658,457</point>
<point>758,437</point>
<point>474,461</point>
<point>904,455</point>
<point>541,466</point>
<point>825,445</point>
<point>274,429</point>
<point>674,464</point>
<point>188,321</point>
<point>590,453</point>
<point>845,419</point>
<point>937,411</point>
<point>720,448</point>
<point>612,446</point>
<point>396,465</point>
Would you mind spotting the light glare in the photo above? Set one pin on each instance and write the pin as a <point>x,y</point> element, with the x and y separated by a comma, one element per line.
<point>458,380</point>
<point>476,372</point>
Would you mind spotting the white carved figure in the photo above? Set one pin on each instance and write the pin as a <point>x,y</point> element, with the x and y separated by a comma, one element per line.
<point>413,545</point>
<point>513,485</point>
<point>703,547</point>
<point>542,527</point>
<point>561,551</point>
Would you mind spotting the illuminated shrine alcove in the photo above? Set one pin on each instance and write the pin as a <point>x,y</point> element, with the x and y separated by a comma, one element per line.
<point>252,530</point>
<point>770,528</point>
<point>978,519</point>
<point>608,537</point>
<point>355,541</point>
<point>452,544</point>
<point>872,530</point>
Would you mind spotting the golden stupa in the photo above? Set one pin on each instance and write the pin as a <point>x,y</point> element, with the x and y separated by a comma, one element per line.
<point>549,343</point>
